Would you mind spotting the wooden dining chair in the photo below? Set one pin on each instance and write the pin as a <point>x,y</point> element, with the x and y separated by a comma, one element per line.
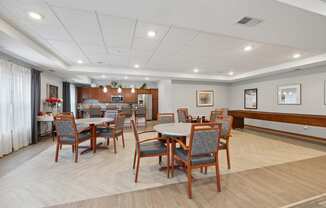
<point>67,133</point>
<point>95,112</point>
<point>183,116</point>
<point>113,131</point>
<point>224,144</point>
<point>111,114</point>
<point>165,118</point>
<point>152,147</point>
<point>214,115</point>
<point>201,152</point>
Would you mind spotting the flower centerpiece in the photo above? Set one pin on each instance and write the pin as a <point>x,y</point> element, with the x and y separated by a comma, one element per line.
<point>53,103</point>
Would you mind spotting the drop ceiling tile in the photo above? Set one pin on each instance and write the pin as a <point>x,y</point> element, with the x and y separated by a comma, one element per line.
<point>69,49</point>
<point>82,25</point>
<point>145,45</point>
<point>17,13</point>
<point>119,60</point>
<point>117,31</point>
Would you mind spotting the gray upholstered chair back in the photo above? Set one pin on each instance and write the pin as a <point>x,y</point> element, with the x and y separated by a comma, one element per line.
<point>165,118</point>
<point>226,126</point>
<point>119,122</point>
<point>182,117</point>
<point>126,111</point>
<point>214,115</point>
<point>204,141</point>
<point>111,114</point>
<point>140,111</point>
<point>95,112</point>
<point>65,126</point>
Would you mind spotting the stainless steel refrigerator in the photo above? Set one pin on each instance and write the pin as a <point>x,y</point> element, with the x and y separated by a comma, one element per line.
<point>145,100</point>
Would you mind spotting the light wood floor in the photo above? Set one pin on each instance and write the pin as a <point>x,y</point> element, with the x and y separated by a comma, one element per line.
<point>269,187</point>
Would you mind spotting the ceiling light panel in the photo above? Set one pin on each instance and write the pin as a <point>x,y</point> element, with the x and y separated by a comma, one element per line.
<point>142,30</point>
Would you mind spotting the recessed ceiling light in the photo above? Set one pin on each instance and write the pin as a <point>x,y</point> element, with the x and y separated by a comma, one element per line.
<point>296,55</point>
<point>196,70</point>
<point>146,78</point>
<point>103,76</point>
<point>248,48</point>
<point>231,73</point>
<point>136,66</point>
<point>151,34</point>
<point>125,77</point>
<point>35,15</point>
<point>80,61</point>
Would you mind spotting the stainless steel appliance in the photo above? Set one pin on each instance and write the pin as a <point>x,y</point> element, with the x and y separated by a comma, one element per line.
<point>117,99</point>
<point>145,100</point>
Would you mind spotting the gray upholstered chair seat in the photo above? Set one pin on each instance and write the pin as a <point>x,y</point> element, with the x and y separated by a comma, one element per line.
<point>196,159</point>
<point>151,148</point>
<point>107,132</point>
<point>82,137</point>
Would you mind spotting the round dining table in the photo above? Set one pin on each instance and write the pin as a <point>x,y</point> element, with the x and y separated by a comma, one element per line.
<point>174,129</point>
<point>83,124</point>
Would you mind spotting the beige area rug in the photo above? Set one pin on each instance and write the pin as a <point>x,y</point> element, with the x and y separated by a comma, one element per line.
<point>313,202</point>
<point>42,182</point>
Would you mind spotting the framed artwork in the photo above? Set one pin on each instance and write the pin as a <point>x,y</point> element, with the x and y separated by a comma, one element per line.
<point>325,92</point>
<point>205,98</point>
<point>52,91</point>
<point>289,94</point>
<point>251,98</point>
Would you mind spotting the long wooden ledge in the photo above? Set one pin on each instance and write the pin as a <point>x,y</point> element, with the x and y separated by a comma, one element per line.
<point>303,119</point>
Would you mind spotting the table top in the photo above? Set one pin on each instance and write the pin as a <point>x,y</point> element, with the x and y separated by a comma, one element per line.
<point>95,121</point>
<point>174,129</point>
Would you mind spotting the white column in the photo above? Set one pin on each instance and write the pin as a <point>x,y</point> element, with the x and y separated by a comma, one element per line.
<point>165,96</point>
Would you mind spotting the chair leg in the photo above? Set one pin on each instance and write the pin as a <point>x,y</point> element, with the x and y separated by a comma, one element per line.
<point>76,153</point>
<point>218,176</point>
<point>114,145</point>
<point>107,141</point>
<point>123,140</point>
<point>57,152</point>
<point>201,169</point>
<point>189,181</point>
<point>133,166</point>
<point>168,165</point>
<point>160,160</point>
<point>137,168</point>
<point>228,158</point>
<point>73,148</point>
<point>205,170</point>
<point>172,159</point>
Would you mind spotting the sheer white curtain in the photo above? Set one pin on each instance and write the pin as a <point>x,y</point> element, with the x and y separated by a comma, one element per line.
<point>15,107</point>
<point>5,108</point>
<point>21,106</point>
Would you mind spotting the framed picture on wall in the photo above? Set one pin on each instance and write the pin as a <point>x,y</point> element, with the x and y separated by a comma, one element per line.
<point>325,92</point>
<point>205,98</point>
<point>289,94</point>
<point>251,98</point>
<point>52,91</point>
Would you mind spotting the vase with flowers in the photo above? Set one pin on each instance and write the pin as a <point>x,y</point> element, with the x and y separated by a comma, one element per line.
<point>53,103</point>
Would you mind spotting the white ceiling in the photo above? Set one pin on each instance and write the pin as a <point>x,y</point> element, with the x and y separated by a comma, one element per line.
<point>111,36</point>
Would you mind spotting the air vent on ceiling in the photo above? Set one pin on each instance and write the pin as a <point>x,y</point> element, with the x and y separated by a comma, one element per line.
<point>249,21</point>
